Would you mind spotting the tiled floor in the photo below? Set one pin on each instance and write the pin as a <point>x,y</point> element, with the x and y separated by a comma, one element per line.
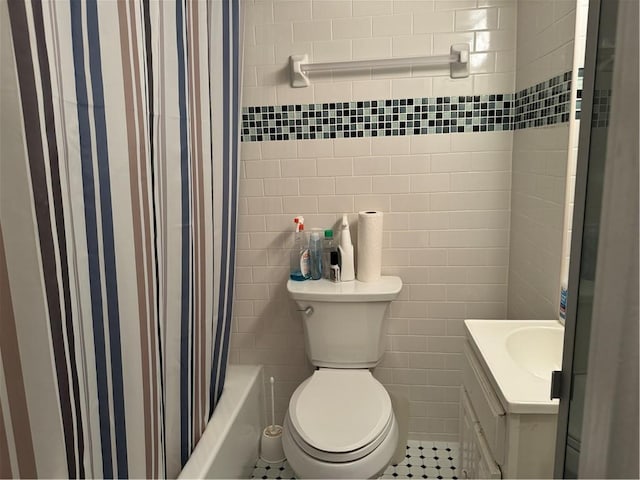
<point>423,460</point>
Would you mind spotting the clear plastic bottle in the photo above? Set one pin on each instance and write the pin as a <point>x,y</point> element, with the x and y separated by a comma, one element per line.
<point>315,254</point>
<point>299,259</point>
<point>328,246</point>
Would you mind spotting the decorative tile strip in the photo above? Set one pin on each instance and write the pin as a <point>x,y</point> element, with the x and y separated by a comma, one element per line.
<point>546,103</point>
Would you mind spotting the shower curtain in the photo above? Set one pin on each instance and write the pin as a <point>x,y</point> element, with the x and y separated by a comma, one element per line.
<point>118,186</point>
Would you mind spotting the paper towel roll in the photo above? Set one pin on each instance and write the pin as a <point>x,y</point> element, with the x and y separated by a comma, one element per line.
<point>369,246</point>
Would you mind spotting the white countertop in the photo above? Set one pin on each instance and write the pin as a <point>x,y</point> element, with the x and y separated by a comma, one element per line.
<point>523,385</point>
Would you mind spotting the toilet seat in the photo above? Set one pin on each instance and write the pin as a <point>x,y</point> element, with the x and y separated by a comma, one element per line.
<point>340,415</point>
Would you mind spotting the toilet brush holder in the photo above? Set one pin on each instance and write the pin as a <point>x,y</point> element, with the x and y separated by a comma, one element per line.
<point>271,445</point>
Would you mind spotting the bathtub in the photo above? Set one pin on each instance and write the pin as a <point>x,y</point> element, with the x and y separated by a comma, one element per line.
<point>230,444</point>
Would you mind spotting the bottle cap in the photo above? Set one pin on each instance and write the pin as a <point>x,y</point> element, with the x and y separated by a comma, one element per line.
<point>315,235</point>
<point>328,233</point>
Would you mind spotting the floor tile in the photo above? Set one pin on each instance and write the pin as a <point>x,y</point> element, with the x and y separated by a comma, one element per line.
<point>423,459</point>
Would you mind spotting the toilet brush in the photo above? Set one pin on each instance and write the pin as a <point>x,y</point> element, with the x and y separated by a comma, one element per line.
<point>271,442</point>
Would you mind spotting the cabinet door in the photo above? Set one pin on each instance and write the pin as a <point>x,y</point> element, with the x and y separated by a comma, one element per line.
<point>475,457</point>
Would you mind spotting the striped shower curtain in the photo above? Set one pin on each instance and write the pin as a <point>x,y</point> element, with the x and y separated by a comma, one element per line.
<point>118,174</point>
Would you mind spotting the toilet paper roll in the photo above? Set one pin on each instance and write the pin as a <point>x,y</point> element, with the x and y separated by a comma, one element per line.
<point>369,246</point>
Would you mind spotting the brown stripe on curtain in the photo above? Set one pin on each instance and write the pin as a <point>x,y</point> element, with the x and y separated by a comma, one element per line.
<point>5,463</point>
<point>143,313</point>
<point>18,412</point>
<point>36,153</point>
<point>56,192</point>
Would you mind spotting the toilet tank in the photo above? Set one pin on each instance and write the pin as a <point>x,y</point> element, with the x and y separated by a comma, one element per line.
<point>344,323</point>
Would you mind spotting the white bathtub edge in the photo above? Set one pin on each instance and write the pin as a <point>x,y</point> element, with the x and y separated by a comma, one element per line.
<point>230,443</point>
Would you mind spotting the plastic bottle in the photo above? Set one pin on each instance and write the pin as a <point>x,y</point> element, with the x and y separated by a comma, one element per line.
<point>328,246</point>
<point>299,259</point>
<point>315,253</point>
<point>347,270</point>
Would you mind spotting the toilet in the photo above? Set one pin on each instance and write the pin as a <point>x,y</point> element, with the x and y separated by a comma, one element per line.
<point>340,422</point>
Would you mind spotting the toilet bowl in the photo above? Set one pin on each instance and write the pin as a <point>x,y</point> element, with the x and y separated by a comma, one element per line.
<point>340,424</point>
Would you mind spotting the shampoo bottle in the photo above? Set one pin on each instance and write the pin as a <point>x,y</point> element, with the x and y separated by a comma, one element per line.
<point>299,259</point>
<point>315,254</point>
<point>345,249</point>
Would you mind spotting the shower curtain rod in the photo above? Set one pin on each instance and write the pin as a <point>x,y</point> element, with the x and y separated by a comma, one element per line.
<point>458,60</point>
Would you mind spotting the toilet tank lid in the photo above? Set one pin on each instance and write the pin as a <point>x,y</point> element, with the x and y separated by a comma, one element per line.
<point>383,290</point>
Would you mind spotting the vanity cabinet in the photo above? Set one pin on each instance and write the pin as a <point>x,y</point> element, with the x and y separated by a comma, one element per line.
<point>495,443</point>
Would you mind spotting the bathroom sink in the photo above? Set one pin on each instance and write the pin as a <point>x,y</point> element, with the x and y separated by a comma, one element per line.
<point>519,356</point>
<point>538,350</point>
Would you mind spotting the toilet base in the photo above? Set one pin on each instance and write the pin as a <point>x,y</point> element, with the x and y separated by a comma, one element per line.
<point>370,466</point>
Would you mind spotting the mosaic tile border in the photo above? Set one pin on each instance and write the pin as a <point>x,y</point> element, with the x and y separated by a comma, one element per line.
<point>546,103</point>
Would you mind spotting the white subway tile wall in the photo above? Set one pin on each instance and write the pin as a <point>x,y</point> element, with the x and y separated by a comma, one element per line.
<point>540,160</point>
<point>446,197</point>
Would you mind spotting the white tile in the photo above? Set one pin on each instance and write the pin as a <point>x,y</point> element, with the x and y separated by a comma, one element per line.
<point>299,205</point>
<point>284,50</point>
<point>371,166</point>
<point>259,55</point>
<point>480,181</point>
<point>469,201</point>
<point>351,147</point>
<point>271,75</point>
<point>291,96</point>
<point>336,204</point>
<point>331,51</point>
<point>410,87</point>
<point>330,9</point>
<point>471,142</point>
<point>476,19</point>
<point>262,168</point>
<point>335,167</point>
<point>291,10</point>
<point>483,63</point>
<point>410,203</point>
<point>258,96</point>
<point>391,25</point>
<point>433,22</point>
<point>298,168</point>
<point>493,82</point>
<point>391,145</point>
<point>428,257</point>
<point>442,41</point>
<point>367,48</point>
<point>251,188</point>
<point>495,40</point>
<point>359,27</point>
<point>433,182</point>
<point>411,45</point>
<point>451,162</point>
<point>250,151</point>
<point>353,185</point>
<point>413,6</point>
<point>372,7</point>
<point>429,221</point>
<point>312,31</point>
<point>371,89</point>
<point>391,184</point>
<point>371,202</point>
<point>317,186</point>
<point>410,164</point>
<point>327,92</point>
<point>273,33</point>
<point>278,150</point>
<point>280,186</point>
<point>264,205</point>
<point>454,4</point>
<point>445,86</point>
<point>315,148</point>
<point>430,143</point>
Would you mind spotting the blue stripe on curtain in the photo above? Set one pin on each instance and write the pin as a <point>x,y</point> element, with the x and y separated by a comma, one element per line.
<point>230,112</point>
<point>86,158</point>
<point>104,179</point>
<point>185,362</point>
<point>233,182</point>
